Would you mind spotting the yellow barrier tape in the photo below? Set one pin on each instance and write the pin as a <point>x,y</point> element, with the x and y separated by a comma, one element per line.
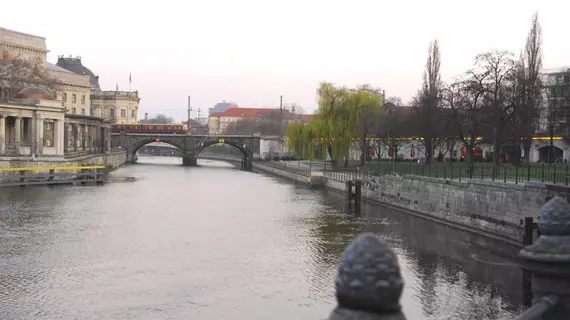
<point>52,168</point>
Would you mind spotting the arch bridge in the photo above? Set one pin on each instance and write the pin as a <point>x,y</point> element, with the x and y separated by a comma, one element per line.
<point>189,145</point>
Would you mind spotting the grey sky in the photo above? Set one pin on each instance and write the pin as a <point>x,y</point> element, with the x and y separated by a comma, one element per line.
<point>251,51</point>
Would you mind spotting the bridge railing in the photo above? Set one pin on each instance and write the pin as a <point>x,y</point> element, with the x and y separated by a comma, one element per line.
<point>369,279</point>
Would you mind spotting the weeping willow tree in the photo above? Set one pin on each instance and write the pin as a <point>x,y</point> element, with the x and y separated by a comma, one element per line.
<point>343,114</point>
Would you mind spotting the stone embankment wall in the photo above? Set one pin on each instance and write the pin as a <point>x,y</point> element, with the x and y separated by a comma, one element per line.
<point>485,207</point>
<point>113,160</point>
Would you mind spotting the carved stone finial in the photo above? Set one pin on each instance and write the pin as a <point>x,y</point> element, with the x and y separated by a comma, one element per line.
<point>369,276</point>
<point>554,243</point>
<point>555,218</point>
<point>548,258</point>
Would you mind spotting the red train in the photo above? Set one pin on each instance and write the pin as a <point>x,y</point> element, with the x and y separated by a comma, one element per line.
<point>150,128</point>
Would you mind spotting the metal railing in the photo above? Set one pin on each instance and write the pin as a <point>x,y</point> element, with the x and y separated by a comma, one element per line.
<point>553,173</point>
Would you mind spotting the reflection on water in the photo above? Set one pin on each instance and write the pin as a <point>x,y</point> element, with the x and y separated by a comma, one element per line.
<point>217,243</point>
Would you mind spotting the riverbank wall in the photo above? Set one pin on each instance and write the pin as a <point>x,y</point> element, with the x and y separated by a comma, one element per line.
<point>36,171</point>
<point>112,159</point>
<point>490,208</point>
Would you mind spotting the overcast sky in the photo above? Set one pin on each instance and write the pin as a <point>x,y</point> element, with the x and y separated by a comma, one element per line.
<point>251,51</point>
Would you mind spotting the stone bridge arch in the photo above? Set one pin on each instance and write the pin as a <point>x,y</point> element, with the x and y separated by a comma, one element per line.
<point>189,145</point>
<point>245,147</point>
<point>133,148</point>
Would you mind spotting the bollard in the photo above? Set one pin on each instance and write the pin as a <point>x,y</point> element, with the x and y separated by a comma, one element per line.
<point>22,178</point>
<point>528,231</point>
<point>548,259</point>
<point>358,195</point>
<point>349,194</point>
<point>368,284</point>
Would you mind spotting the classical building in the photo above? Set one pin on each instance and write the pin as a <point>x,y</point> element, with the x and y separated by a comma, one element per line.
<point>117,106</point>
<point>75,86</point>
<point>70,88</point>
<point>34,125</point>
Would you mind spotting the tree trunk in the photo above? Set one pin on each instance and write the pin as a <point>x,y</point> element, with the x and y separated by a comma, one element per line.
<point>516,155</point>
<point>330,152</point>
<point>364,150</point>
<point>526,147</point>
<point>496,148</point>
<point>428,144</point>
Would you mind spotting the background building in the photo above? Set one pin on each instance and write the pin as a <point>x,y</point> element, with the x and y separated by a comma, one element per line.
<point>555,114</point>
<point>222,107</point>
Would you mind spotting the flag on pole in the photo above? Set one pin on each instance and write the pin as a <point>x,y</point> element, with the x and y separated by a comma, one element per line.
<point>117,89</point>
<point>130,77</point>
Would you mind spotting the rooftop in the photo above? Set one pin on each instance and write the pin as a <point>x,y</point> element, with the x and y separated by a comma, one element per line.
<point>74,65</point>
<point>53,67</point>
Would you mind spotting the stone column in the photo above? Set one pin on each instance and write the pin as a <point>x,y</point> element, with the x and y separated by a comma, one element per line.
<point>107,139</point>
<point>38,141</point>
<point>29,135</point>
<point>59,137</point>
<point>18,134</point>
<point>548,259</point>
<point>2,135</point>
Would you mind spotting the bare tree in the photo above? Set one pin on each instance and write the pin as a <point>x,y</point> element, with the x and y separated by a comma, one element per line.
<point>396,122</point>
<point>529,80</point>
<point>427,102</point>
<point>17,73</point>
<point>497,70</point>
<point>464,99</point>
<point>158,119</point>
<point>397,101</point>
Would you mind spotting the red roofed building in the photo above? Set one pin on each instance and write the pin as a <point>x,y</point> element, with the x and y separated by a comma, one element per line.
<point>219,121</point>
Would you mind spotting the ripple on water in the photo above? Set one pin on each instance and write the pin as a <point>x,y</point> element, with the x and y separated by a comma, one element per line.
<point>167,242</point>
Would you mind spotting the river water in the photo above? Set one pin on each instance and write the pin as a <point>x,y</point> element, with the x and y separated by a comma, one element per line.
<point>162,241</point>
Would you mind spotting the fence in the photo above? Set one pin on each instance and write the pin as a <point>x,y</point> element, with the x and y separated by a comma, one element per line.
<point>293,167</point>
<point>10,177</point>
<point>555,174</point>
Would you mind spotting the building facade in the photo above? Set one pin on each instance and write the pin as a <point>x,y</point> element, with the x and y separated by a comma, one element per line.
<point>116,106</point>
<point>76,86</point>
<point>34,125</point>
<point>70,88</point>
<point>555,113</point>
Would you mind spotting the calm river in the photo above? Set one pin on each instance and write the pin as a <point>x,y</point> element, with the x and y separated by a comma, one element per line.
<point>213,242</point>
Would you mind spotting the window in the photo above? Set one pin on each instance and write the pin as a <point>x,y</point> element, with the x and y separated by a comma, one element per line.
<point>83,111</point>
<point>112,113</point>
<point>123,113</point>
<point>73,110</point>
<point>132,113</point>
<point>64,97</point>
<point>83,99</point>
<point>48,134</point>
<point>74,98</point>
<point>55,95</point>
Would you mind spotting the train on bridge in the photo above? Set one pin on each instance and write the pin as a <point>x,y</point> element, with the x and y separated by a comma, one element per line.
<point>150,128</point>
